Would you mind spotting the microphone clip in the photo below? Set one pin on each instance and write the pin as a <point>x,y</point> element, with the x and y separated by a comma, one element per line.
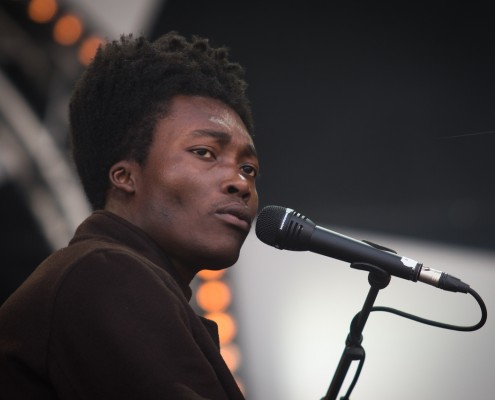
<point>379,246</point>
<point>377,277</point>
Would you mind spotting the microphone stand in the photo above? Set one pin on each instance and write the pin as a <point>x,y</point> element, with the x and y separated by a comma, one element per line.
<point>378,279</point>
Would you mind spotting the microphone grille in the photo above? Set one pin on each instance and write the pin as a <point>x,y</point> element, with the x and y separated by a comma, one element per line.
<point>268,223</point>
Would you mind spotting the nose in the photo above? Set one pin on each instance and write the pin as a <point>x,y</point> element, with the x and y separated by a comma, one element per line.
<point>238,185</point>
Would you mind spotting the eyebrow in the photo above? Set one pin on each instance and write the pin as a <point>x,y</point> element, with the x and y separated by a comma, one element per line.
<point>224,138</point>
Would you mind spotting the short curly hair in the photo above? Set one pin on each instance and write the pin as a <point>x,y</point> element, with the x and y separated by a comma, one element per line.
<point>129,85</point>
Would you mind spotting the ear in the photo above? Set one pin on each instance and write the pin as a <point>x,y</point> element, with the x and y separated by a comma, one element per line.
<point>122,176</point>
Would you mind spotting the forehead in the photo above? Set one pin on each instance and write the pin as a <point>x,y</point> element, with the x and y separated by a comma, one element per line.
<point>190,115</point>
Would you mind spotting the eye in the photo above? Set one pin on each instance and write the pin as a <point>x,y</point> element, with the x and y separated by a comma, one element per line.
<point>204,153</point>
<point>249,170</point>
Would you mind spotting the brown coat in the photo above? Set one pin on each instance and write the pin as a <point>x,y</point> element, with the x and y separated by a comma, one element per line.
<point>106,318</point>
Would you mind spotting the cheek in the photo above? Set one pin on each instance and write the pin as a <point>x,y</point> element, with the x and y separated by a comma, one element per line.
<point>182,189</point>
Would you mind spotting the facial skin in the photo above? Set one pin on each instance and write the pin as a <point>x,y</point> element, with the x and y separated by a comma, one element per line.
<point>195,195</point>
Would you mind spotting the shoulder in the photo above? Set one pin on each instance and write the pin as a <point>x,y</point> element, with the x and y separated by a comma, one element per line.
<point>114,268</point>
<point>112,285</point>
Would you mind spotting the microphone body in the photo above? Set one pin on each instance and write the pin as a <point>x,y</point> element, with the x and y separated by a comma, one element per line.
<point>344,248</point>
<point>285,228</point>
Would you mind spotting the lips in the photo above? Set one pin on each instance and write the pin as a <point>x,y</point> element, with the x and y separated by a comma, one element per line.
<point>236,214</point>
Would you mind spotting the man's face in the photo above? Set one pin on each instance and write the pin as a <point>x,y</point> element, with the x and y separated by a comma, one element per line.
<point>196,193</point>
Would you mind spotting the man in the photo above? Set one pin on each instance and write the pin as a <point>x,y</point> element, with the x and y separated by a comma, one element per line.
<point>161,136</point>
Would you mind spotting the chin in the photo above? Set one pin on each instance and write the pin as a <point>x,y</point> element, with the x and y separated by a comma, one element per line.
<point>220,260</point>
<point>223,254</point>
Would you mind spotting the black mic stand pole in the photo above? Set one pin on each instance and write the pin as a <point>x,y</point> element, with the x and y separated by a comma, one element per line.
<point>378,279</point>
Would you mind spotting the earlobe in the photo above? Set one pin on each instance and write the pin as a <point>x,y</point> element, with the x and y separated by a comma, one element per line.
<point>122,176</point>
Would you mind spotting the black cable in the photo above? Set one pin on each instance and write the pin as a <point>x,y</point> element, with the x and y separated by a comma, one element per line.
<point>437,324</point>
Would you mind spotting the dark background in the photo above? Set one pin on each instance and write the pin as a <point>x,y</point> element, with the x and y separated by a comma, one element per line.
<point>371,115</point>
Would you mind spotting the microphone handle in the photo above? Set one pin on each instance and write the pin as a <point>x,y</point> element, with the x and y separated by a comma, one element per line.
<point>351,250</point>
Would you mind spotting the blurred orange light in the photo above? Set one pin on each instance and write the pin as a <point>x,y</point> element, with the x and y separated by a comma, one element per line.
<point>213,296</point>
<point>67,30</point>
<point>207,274</point>
<point>42,10</point>
<point>88,49</point>
<point>232,356</point>
<point>226,326</point>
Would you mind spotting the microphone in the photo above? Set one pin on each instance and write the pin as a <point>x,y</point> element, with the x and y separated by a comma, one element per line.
<point>285,228</point>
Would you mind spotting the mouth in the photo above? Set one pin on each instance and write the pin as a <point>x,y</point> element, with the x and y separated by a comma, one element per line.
<point>237,215</point>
